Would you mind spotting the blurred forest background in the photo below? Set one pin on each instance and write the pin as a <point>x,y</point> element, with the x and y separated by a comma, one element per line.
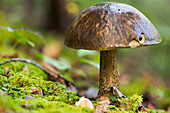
<point>35,29</point>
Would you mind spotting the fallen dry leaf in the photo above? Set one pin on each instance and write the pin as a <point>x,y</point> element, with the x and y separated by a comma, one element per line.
<point>6,70</point>
<point>33,90</point>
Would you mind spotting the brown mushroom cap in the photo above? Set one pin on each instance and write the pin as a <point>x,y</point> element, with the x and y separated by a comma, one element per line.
<point>111,25</point>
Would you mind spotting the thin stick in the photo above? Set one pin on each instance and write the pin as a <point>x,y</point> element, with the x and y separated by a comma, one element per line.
<point>35,64</point>
<point>13,85</point>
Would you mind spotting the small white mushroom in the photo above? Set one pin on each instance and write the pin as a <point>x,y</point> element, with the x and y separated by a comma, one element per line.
<point>84,102</point>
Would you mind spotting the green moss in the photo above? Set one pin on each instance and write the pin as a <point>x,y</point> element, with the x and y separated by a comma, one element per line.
<point>126,105</point>
<point>131,102</point>
<point>155,111</point>
<point>7,104</point>
<point>49,97</point>
<point>39,105</point>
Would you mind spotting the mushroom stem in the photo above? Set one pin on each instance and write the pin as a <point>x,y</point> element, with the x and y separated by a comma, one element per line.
<point>109,75</point>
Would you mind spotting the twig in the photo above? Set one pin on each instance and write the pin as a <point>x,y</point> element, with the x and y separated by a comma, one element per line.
<point>116,92</point>
<point>36,65</point>
<point>26,61</point>
<point>13,85</point>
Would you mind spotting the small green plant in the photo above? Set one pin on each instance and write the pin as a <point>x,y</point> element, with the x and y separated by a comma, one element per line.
<point>131,102</point>
<point>123,105</point>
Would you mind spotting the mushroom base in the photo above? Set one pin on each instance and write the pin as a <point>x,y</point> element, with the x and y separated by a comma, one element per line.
<point>109,75</point>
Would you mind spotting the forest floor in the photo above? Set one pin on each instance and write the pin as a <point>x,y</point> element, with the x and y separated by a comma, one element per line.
<point>26,89</point>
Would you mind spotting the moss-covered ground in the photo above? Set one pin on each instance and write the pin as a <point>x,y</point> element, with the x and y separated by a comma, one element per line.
<point>20,84</point>
<point>25,89</point>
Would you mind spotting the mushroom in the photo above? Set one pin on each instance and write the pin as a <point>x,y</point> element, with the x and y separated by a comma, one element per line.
<point>107,27</point>
<point>84,102</point>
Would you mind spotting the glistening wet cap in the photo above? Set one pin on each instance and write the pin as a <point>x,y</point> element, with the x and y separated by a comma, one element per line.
<point>111,25</point>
